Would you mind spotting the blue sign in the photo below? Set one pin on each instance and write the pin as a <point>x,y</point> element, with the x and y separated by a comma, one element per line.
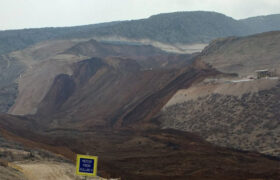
<point>86,165</point>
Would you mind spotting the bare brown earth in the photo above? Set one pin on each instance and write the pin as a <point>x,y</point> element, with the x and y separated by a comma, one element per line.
<point>44,61</point>
<point>155,154</point>
<point>101,91</point>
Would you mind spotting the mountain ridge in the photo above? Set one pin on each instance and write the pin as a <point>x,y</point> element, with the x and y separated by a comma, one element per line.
<point>187,28</point>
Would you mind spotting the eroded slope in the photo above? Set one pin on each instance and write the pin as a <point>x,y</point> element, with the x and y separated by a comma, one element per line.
<point>100,91</point>
<point>44,61</point>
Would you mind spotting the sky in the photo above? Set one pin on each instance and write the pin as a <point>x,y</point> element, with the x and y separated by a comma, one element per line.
<point>19,14</point>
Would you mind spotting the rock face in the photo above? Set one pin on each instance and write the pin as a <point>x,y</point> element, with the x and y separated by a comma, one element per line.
<point>237,112</point>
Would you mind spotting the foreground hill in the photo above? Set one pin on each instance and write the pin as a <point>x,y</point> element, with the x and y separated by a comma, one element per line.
<point>234,111</point>
<point>170,28</point>
<point>152,154</point>
<point>19,161</point>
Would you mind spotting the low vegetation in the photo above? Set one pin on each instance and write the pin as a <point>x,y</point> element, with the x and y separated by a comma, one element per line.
<point>250,122</point>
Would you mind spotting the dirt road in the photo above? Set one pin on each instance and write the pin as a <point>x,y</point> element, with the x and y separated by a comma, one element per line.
<point>50,171</point>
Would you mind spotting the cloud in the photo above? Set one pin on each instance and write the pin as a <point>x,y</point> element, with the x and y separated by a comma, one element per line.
<point>45,13</point>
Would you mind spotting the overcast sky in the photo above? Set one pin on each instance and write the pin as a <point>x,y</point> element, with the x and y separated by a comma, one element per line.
<point>17,14</point>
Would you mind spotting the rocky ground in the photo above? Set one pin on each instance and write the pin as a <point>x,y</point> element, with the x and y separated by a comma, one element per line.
<point>248,121</point>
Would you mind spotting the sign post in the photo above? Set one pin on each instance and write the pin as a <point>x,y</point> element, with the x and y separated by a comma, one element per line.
<point>86,165</point>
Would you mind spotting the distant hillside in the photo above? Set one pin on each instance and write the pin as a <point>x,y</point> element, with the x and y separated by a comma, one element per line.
<point>12,40</point>
<point>183,27</point>
<point>179,27</point>
<point>263,23</point>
